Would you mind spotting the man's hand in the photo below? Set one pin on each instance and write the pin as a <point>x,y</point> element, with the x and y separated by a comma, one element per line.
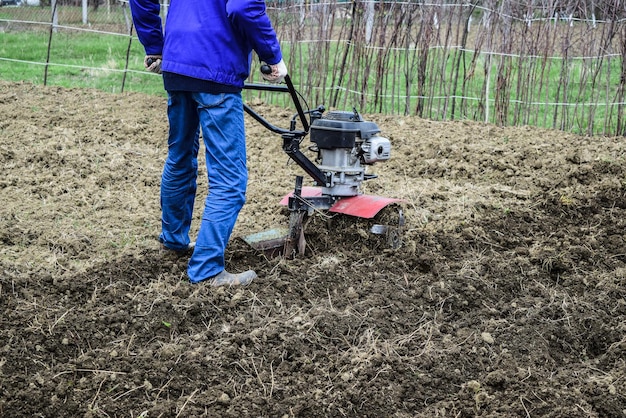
<point>279,71</point>
<point>153,63</point>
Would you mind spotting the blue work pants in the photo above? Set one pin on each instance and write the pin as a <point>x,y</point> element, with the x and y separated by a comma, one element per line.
<point>219,117</point>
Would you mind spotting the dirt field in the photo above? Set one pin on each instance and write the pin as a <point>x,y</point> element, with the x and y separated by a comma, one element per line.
<point>507,299</point>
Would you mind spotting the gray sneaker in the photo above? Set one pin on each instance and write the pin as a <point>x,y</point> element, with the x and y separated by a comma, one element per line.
<point>179,253</point>
<point>233,279</point>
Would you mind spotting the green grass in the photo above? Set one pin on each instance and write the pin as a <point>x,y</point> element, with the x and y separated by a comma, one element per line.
<point>96,60</point>
<point>86,60</point>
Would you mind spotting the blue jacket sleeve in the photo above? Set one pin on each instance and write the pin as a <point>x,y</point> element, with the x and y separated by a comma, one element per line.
<point>250,19</point>
<point>147,22</point>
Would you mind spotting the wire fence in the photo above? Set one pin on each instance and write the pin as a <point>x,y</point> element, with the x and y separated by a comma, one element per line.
<point>551,64</point>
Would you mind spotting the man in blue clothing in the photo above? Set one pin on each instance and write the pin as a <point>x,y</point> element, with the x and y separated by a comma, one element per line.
<point>204,54</point>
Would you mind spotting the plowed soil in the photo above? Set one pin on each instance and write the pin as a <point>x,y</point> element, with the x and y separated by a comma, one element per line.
<point>506,299</point>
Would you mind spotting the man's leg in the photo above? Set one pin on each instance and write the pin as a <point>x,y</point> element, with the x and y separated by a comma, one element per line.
<point>178,181</point>
<point>222,123</point>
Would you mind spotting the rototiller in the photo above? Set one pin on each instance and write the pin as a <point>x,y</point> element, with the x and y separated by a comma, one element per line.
<point>345,145</point>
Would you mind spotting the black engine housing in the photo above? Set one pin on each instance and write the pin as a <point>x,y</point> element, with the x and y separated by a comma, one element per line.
<point>341,129</point>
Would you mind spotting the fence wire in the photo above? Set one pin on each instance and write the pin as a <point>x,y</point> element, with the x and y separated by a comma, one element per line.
<point>551,64</point>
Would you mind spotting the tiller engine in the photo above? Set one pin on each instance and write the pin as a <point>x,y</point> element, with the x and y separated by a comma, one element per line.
<point>345,145</point>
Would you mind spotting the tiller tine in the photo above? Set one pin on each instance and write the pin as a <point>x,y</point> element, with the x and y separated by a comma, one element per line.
<point>295,243</point>
<point>290,242</point>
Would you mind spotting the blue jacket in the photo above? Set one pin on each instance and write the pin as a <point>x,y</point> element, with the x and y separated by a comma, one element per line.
<point>207,39</point>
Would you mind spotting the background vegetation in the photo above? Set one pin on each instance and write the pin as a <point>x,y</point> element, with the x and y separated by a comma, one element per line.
<point>553,64</point>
